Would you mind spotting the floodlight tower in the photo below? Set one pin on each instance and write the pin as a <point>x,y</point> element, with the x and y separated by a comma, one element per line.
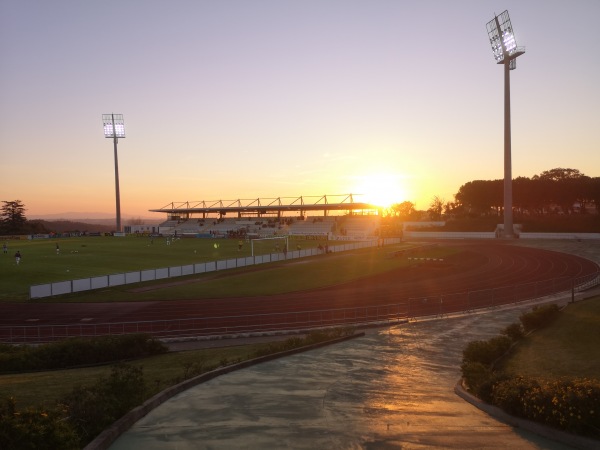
<point>114,127</point>
<point>504,47</point>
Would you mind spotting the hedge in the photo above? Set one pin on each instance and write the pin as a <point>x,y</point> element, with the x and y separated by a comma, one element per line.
<point>78,352</point>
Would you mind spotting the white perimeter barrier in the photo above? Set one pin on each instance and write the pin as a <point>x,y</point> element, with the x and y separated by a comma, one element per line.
<point>449,235</point>
<point>104,281</point>
<point>492,235</point>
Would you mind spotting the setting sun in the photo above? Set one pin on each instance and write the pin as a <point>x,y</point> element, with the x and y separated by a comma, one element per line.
<point>381,189</point>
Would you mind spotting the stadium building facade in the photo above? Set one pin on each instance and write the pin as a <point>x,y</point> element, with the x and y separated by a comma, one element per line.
<point>327,215</point>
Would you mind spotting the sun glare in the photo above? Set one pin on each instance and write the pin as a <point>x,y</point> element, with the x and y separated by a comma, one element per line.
<point>381,189</point>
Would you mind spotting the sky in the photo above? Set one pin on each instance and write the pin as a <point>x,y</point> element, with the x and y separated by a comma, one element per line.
<point>394,100</point>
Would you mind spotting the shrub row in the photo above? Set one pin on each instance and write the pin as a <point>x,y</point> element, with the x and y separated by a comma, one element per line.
<point>565,404</point>
<point>571,405</point>
<point>314,337</point>
<point>539,317</point>
<point>78,352</point>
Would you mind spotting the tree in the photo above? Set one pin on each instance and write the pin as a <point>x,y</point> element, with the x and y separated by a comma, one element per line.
<point>560,174</point>
<point>530,196</point>
<point>404,209</point>
<point>594,193</point>
<point>13,217</point>
<point>566,187</point>
<point>481,196</point>
<point>435,208</point>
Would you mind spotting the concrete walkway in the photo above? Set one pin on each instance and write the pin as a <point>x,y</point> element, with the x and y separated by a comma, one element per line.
<point>391,389</point>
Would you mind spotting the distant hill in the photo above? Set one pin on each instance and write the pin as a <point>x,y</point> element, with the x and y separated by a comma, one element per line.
<point>81,225</point>
<point>75,216</point>
<point>97,218</point>
<point>63,226</point>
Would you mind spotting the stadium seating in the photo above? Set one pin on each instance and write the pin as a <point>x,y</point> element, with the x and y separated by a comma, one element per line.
<point>313,226</point>
<point>357,227</point>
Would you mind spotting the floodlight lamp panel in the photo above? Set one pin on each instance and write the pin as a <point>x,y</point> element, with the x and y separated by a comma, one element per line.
<point>501,35</point>
<point>495,42</point>
<point>510,44</point>
<point>114,125</point>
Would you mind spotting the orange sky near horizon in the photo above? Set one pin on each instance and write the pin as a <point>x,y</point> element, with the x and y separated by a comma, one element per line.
<point>398,101</point>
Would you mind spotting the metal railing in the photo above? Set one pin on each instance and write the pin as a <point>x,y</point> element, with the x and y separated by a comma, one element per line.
<point>297,321</point>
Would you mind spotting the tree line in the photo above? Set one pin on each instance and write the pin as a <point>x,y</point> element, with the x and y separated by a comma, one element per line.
<point>555,191</point>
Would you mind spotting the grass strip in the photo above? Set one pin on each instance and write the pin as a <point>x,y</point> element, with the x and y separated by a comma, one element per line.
<point>569,347</point>
<point>45,388</point>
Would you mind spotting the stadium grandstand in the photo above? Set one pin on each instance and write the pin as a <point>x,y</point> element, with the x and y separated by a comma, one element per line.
<point>332,216</point>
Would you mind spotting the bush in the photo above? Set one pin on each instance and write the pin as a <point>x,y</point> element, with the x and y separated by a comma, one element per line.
<point>486,352</point>
<point>569,404</point>
<point>475,374</point>
<point>5,348</point>
<point>35,428</point>
<point>79,352</point>
<point>514,332</point>
<point>93,408</point>
<point>508,394</point>
<point>539,317</point>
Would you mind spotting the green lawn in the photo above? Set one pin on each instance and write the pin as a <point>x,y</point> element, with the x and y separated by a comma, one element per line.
<point>93,256</point>
<point>570,347</point>
<point>44,388</point>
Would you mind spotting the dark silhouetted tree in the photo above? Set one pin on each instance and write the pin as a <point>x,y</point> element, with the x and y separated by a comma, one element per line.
<point>594,192</point>
<point>404,210</point>
<point>553,191</point>
<point>481,196</point>
<point>565,187</point>
<point>435,208</point>
<point>13,218</point>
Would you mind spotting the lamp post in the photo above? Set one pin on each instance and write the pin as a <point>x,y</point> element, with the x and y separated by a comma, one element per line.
<point>505,50</point>
<point>114,127</point>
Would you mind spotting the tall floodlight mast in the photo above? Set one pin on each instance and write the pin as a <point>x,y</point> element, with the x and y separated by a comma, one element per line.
<point>504,47</point>
<point>114,127</point>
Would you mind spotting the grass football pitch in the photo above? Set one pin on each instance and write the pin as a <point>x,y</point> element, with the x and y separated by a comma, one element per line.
<point>83,257</point>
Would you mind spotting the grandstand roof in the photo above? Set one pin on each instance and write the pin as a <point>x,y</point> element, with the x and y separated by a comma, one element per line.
<point>260,206</point>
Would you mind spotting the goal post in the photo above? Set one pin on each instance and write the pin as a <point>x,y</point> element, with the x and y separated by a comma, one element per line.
<point>263,246</point>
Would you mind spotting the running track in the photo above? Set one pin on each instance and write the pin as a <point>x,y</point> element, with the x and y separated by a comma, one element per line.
<point>490,269</point>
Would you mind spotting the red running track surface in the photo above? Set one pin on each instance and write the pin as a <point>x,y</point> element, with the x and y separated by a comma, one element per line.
<point>477,266</point>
